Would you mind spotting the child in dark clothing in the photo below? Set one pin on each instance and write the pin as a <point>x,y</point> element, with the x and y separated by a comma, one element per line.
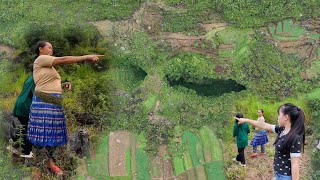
<point>241,131</point>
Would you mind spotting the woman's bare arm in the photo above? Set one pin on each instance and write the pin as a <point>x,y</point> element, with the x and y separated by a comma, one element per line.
<point>259,124</point>
<point>295,168</point>
<point>58,61</point>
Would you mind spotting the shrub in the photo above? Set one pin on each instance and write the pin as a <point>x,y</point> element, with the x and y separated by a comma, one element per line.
<point>72,39</point>
<point>190,67</point>
<point>144,51</point>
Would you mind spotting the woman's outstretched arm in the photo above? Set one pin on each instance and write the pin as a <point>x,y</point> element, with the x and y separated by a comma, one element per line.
<point>259,124</point>
<point>74,59</point>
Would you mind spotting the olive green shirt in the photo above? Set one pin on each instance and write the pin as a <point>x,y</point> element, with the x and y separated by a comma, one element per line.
<point>24,100</point>
<point>241,132</point>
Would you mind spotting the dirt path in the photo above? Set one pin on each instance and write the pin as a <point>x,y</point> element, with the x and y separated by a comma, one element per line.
<point>133,147</point>
<point>119,143</point>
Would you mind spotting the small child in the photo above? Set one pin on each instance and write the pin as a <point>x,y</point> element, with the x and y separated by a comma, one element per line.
<point>241,131</point>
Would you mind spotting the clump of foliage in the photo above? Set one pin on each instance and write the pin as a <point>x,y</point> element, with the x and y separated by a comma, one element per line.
<point>145,52</point>
<point>179,21</point>
<point>158,133</point>
<point>74,39</point>
<point>191,67</point>
<point>268,72</point>
<point>95,96</point>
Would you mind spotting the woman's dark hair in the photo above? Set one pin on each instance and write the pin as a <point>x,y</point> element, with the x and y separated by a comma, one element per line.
<point>296,115</point>
<point>261,110</point>
<point>239,115</point>
<point>39,44</point>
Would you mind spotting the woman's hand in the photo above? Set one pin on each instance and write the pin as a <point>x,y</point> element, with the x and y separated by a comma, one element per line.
<point>259,124</point>
<point>67,86</point>
<point>241,120</point>
<point>93,57</point>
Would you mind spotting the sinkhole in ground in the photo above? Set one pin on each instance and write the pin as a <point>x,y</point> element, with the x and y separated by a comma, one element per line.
<point>211,87</point>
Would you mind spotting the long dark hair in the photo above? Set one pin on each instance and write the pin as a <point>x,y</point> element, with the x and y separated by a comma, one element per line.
<point>297,119</point>
<point>39,44</point>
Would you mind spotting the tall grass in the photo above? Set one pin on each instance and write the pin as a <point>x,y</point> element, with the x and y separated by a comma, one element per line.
<point>12,80</point>
<point>250,103</point>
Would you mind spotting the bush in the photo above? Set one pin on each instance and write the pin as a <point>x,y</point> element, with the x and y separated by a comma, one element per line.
<point>73,39</point>
<point>190,67</point>
<point>144,51</point>
<point>94,94</point>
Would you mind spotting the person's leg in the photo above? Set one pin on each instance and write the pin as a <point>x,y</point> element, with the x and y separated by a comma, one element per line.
<point>241,156</point>
<point>254,154</point>
<point>254,149</point>
<point>51,163</point>
<point>27,145</point>
<point>238,156</point>
<point>263,151</point>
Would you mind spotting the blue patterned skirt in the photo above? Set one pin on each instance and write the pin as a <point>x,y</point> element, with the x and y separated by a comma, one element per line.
<point>260,138</point>
<point>47,124</point>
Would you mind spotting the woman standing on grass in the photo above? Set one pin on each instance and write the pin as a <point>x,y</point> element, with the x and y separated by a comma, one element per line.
<point>289,142</point>
<point>260,138</point>
<point>47,124</point>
